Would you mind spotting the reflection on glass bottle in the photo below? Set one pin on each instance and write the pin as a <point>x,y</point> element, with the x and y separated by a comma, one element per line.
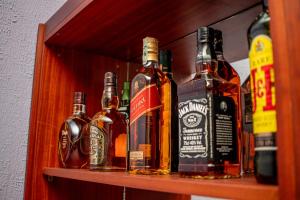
<point>73,144</point>
<point>108,131</point>
<point>207,113</point>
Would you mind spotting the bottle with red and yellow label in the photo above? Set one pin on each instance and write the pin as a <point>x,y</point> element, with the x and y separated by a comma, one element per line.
<point>145,108</point>
<point>263,97</point>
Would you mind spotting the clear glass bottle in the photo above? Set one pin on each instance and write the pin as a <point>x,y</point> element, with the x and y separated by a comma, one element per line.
<point>73,143</point>
<point>169,114</point>
<point>108,133</point>
<point>145,114</point>
<point>263,97</point>
<point>207,113</point>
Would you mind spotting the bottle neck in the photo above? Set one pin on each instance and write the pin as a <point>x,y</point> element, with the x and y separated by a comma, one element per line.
<point>79,109</point>
<point>265,4</point>
<point>125,100</point>
<point>219,51</point>
<point>110,99</point>
<point>206,59</point>
<point>151,64</point>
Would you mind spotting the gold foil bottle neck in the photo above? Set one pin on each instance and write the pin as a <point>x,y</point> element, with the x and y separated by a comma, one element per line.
<point>150,49</point>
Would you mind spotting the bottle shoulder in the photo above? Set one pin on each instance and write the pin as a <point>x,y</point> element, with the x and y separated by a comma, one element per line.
<point>261,25</point>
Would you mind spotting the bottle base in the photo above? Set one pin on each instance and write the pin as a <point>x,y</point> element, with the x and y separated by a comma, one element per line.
<point>107,169</point>
<point>149,171</point>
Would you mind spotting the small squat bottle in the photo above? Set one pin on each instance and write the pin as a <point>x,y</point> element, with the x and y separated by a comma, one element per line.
<point>73,144</point>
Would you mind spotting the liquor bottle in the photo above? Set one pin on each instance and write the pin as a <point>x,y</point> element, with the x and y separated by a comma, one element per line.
<point>208,132</point>
<point>145,117</point>
<point>73,144</point>
<point>108,133</point>
<point>169,114</point>
<point>227,72</point>
<point>248,137</point>
<point>263,97</point>
<point>124,110</point>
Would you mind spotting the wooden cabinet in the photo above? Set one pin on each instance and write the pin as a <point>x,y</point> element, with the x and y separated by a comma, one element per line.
<point>86,38</point>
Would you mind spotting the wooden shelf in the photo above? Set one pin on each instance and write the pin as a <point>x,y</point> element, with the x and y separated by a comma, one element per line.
<point>117,29</point>
<point>242,188</point>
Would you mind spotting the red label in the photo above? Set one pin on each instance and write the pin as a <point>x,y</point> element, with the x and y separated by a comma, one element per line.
<point>144,101</point>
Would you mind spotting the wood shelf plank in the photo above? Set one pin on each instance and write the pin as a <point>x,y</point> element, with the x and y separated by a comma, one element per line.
<point>242,188</point>
<point>117,29</point>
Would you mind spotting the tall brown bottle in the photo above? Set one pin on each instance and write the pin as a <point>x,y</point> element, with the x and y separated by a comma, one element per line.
<point>263,97</point>
<point>169,114</point>
<point>145,117</point>
<point>208,135</point>
<point>228,73</point>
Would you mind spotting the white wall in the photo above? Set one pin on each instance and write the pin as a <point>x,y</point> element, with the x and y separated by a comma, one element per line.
<point>18,30</point>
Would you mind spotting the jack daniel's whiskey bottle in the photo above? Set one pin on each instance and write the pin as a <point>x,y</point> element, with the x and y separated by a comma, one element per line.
<point>263,97</point>
<point>145,117</point>
<point>207,112</point>
<point>73,144</point>
<point>108,133</point>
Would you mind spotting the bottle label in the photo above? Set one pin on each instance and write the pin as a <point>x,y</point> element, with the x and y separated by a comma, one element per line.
<point>144,101</point>
<point>224,128</point>
<point>262,85</point>
<point>193,129</point>
<point>97,145</point>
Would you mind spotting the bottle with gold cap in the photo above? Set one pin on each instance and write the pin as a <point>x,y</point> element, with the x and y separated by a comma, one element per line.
<point>145,108</point>
<point>108,132</point>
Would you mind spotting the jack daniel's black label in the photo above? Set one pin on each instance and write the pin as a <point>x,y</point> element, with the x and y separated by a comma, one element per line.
<point>193,128</point>
<point>207,127</point>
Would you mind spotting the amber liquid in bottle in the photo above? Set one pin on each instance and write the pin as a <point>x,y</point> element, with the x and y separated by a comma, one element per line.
<point>169,115</point>
<point>248,137</point>
<point>145,108</point>
<point>208,132</point>
<point>108,132</point>
<point>228,73</point>
<point>263,97</point>
<point>73,144</point>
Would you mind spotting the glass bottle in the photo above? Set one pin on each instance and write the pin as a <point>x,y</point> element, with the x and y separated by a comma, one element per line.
<point>207,113</point>
<point>248,137</point>
<point>73,144</point>
<point>108,131</point>
<point>124,110</point>
<point>263,97</point>
<point>169,114</point>
<point>227,72</point>
<point>145,114</point>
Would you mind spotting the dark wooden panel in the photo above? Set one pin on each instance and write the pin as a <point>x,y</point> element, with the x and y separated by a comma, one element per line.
<point>118,28</point>
<point>239,188</point>
<point>235,44</point>
<point>285,22</point>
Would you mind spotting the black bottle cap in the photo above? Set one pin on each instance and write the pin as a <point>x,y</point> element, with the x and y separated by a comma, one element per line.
<point>165,59</point>
<point>110,79</point>
<point>205,34</point>
<point>79,98</point>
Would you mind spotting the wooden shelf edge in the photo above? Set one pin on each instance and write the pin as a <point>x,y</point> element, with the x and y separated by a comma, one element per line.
<point>243,188</point>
